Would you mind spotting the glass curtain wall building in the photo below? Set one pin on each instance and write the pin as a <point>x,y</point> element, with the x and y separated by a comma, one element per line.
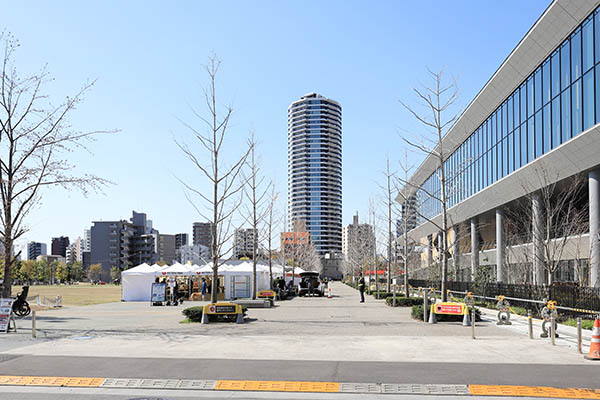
<point>539,111</point>
<point>315,169</point>
<point>556,102</point>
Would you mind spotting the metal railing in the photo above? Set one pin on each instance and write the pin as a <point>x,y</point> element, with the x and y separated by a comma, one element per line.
<point>571,298</point>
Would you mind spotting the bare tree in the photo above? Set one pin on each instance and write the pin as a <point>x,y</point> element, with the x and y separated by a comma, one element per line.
<point>561,218</point>
<point>35,138</point>
<point>272,220</point>
<point>256,210</point>
<point>438,102</point>
<point>388,190</point>
<point>225,180</point>
<point>408,209</point>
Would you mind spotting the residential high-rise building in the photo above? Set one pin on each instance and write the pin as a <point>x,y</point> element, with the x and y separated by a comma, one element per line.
<point>358,240</point>
<point>409,210</point>
<point>87,240</point>
<point>243,243</point>
<point>202,233</point>
<point>315,169</point>
<point>122,244</point>
<point>165,248</point>
<point>35,249</point>
<point>59,246</point>
<point>194,254</point>
<point>181,239</point>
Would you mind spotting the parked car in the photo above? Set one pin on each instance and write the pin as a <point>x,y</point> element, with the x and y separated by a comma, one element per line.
<point>307,280</point>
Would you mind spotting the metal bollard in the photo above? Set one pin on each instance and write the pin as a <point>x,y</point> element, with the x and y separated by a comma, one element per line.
<point>33,332</point>
<point>473,323</point>
<point>552,322</point>
<point>425,305</point>
<point>394,296</point>
<point>530,323</point>
<point>579,338</point>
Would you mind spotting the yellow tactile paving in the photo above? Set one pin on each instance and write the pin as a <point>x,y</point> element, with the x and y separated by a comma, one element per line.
<point>533,391</point>
<point>279,386</point>
<point>50,381</point>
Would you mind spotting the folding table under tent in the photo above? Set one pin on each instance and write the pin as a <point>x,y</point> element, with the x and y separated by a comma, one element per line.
<point>136,282</point>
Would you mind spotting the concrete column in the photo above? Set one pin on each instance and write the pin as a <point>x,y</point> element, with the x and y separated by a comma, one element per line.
<point>455,250</point>
<point>474,248</point>
<point>539,272</point>
<point>594,205</point>
<point>429,250</point>
<point>500,267</point>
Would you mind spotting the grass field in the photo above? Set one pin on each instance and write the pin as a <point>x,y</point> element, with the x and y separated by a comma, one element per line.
<point>76,295</point>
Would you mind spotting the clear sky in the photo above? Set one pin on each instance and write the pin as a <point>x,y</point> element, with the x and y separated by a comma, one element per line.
<point>148,59</point>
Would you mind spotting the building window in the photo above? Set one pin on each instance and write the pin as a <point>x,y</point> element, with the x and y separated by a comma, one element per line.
<point>565,115</point>
<point>576,108</point>
<point>588,100</point>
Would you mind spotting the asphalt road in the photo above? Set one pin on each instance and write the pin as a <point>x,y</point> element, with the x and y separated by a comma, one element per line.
<point>325,371</point>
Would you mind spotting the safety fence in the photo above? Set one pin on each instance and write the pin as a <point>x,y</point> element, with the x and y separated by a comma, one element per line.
<point>566,295</point>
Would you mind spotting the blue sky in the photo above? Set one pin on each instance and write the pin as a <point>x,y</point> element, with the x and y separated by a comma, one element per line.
<point>148,58</point>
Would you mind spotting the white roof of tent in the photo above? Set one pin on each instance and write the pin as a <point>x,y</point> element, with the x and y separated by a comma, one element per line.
<point>177,269</point>
<point>142,269</point>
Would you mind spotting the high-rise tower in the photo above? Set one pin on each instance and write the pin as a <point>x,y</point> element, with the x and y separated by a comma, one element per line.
<point>315,169</point>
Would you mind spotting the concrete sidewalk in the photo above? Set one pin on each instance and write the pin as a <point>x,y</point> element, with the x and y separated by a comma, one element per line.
<point>310,329</point>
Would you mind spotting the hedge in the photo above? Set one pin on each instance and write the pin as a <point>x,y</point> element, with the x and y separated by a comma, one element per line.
<point>403,301</point>
<point>194,314</point>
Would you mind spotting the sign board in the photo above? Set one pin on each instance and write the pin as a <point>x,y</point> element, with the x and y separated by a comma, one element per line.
<point>449,308</point>
<point>240,286</point>
<point>266,294</point>
<point>171,282</point>
<point>5,314</point>
<point>222,308</point>
<point>158,293</point>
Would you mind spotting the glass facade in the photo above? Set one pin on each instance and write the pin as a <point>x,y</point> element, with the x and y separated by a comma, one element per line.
<point>558,101</point>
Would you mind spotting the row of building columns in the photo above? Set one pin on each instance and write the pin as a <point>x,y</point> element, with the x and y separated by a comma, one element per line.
<point>540,274</point>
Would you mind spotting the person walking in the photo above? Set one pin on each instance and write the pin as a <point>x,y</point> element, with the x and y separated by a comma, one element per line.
<point>203,289</point>
<point>361,288</point>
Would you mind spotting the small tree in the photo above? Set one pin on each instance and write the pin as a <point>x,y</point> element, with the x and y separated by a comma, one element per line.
<point>27,271</point>
<point>62,271</point>
<point>271,221</point>
<point>224,180</point>
<point>256,194</point>
<point>438,101</point>
<point>95,272</point>
<point>388,190</point>
<point>76,272</point>
<point>115,274</point>
<point>35,138</point>
<point>562,218</point>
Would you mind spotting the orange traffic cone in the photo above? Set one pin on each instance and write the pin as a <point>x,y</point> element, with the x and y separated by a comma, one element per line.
<point>595,344</point>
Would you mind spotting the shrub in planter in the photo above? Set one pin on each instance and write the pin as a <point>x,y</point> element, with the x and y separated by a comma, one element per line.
<point>383,295</point>
<point>417,312</point>
<point>194,314</point>
<point>403,301</point>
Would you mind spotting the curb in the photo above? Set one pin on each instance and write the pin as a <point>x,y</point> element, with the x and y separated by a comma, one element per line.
<point>303,387</point>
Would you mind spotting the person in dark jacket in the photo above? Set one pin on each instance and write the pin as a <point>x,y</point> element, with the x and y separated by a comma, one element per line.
<point>361,288</point>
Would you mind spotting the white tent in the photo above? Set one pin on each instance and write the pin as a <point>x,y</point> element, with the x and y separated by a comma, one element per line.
<point>177,270</point>
<point>136,282</point>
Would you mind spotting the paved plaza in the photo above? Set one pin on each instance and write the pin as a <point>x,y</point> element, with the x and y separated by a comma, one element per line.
<point>304,339</point>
